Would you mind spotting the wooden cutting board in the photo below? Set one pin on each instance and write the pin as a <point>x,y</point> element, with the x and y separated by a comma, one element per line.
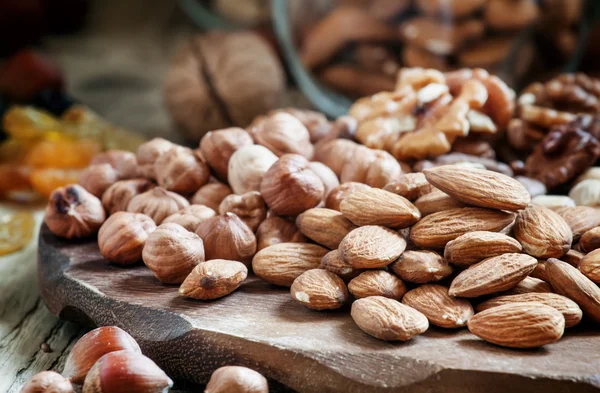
<point>261,327</point>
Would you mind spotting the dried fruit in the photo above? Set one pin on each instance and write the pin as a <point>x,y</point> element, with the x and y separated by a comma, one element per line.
<point>377,283</point>
<point>72,212</point>
<point>542,232</point>
<point>421,267</point>
<point>371,246</point>
<point>325,226</point>
<point>473,247</point>
<point>122,237</point>
<point>45,181</point>
<point>213,279</point>
<point>62,153</point>
<point>319,289</point>
<point>16,231</point>
<point>440,308</point>
<point>227,237</point>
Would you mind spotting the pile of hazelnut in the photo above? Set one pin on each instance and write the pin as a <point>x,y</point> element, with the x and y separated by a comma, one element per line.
<point>109,360</point>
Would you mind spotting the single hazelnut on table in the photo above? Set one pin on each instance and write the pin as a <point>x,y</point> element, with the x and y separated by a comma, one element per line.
<point>157,203</point>
<point>149,152</point>
<point>217,147</point>
<point>339,193</point>
<point>172,252</point>
<point>290,187</point>
<point>122,237</point>
<point>247,166</point>
<point>283,133</point>
<point>48,382</point>
<point>236,379</point>
<point>319,289</point>
<point>92,346</point>
<point>327,176</point>
<point>126,371</point>
<point>249,207</point>
<point>117,196</point>
<point>211,195</point>
<point>214,279</point>
<point>227,237</point>
<point>191,216</point>
<point>179,170</point>
<point>275,230</point>
<point>98,178</point>
<point>124,162</point>
<point>72,212</point>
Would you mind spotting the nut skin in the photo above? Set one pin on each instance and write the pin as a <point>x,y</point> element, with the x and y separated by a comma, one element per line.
<point>124,162</point>
<point>92,346</point>
<point>227,237</point>
<point>48,382</point>
<point>122,237</point>
<point>72,212</point>
<point>157,203</point>
<point>191,216</point>
<point>289,187</point>
<point>377,283</point>
<point>211,195</point>
<point>148,153</point>
<point>213,279</point>
<point>217,147</point>
<point>249,207</point>
<point>97,178</point>
<point>117,196</point>
<point>283,133</point>
<point>275,230</point>
<point>247,167</point>
<point>319,289</point>
<point>172,252</point>
<point>236,379</point>
<point>126,371</point>
<point>338,194</point>
<point>179,170</point>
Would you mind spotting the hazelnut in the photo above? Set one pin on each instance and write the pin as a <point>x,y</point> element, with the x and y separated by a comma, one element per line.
<point>327,176</point>
<point>586,193</point>
<point>315,122</point>
<point>123,161</point>
<point>383,170</point>
<point>249,207</point>
<point>97,178</point>
<point>319,289</point>
<point>48,382</point>
<point>122,236</point>
<point>283,133</point>
<point>236,379</point>
<point>149,152</point>
<point>214,279</point>
<point>356,168</point>
<point>211,195</point>
<point>72,212</point>
<point>247,166</point>
<point>117,196</point>
<point>157,203</point>
<point>191,216</point>
<point>335,153</point>
<point>179,170</point>
<point>126,371</point>
<point>289,187</point>
<point>217,147</point>
<point>92,346</point>
<point>227,237</point>
<point>172,252</point>
<point>275,230</point>
<point>339,193</point>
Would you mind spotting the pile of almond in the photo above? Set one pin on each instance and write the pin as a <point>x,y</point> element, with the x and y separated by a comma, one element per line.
<point>453,241</point>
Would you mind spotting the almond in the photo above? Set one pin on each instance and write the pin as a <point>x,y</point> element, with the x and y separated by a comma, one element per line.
<point>436,201</point>
<point>440,308</point>
<point>325,226</point>
<point>333,262</point>
<point>319,289</point>
<point>371,247</point>
<point>542,232</point>
<point>379,207</point>
<point>213,279</point>
<point>437,229</point>
<point>529,285</point>
<point>377,283</point>
<point>590,266</point>
<point>493,274</point>
<point>479,187</point>
<point>590,240</point>
<point>282,263</point>
<point>570,282</point>
<point>568,308</point>
<point>410,186</point>
<point>421,267</point>
<point>519,325</point>
<point>476,246</point>
<point>341,192</point>
<point>388,319</point>
<point>553,202</point>
<point>573,257</point>
<point>580,218</point>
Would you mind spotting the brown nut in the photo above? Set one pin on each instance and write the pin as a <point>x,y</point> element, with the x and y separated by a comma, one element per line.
<point>327,176</point>
<point>371,247</point>
<point>117,196</point>
<point>122,237</point>
<point>440,38</point>
<point>410,186</point>
<point>217,147</point>
<point>172,252</point>
<point>214,279</point>
<point>247,167</point>
<point>157,203</point>
<point>48,382</point>
<point>275,230</point>
<point>236,379</point>
<point>124,162</point>
<point>436,201</point>
<point>149,152</point>
<point>98,178</point>
<point>377,283</point>
<point>473,247</point>
<point>529,285</point>
<point>335,153</point>
<point>450,9</point>
<point>227,237</point>
<point>92,346</point>
<point>72,212</point>
<point>542,232</point>
<point>356,169</point>
<point>190,217</point>
<point>333,262</point>
<point>290,187</point>
<point>440,308</point>
<point>179,170</point>
<point>511,15</point>
<point>211,195</point>
<point>421,267</point>
<point>325,226</point>
<point>590,266</point>
<point>385,169</point>
<point>249,207</point>
<point>319,289</point>
<point>315,122</point>
<point>283,133</point>
<point>590,240</point>
<point>341,192</point>
<point>580,219</point>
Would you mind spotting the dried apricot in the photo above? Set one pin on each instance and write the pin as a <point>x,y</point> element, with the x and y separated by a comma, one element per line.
<point>62,153</point>
<point>44,181</point>
<point>16,231</point>
<point>24,122</point>
<point>13,178</point>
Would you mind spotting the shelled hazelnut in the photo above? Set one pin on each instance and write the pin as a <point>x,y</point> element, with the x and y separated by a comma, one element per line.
<point>247,166</point>
<point>275,230</point>
<point>98,178</point>
<point>72,212</point>
<point>181,171</point>
<point>157,203</point>
<point>217,147</point>
<point>148,153</point>
<point>249,207</point>
<point>117,196</point>
<point>227,237</point>
<point>48,382</point>
<point>122,237</point>
<point>236,379</point>
<point>124,162</point>
<point>283,133</point>
<point>190,217</point>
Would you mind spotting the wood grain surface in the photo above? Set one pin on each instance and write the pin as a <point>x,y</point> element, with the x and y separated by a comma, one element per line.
<point>260,326</point>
